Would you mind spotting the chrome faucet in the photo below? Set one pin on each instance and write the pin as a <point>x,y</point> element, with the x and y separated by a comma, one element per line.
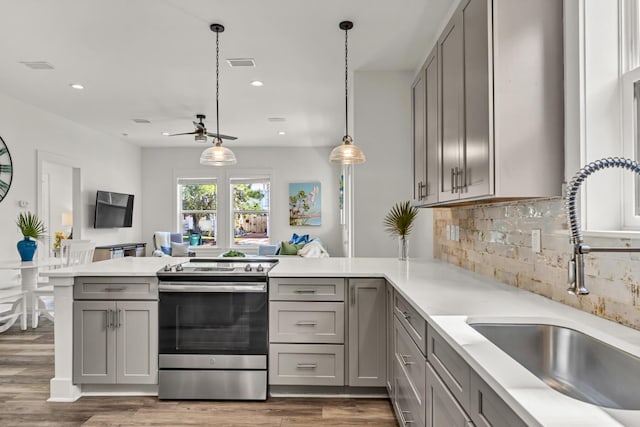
<point>576,264</point>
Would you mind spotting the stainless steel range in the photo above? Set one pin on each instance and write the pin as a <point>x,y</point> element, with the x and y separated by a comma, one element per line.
<point>213,329</point>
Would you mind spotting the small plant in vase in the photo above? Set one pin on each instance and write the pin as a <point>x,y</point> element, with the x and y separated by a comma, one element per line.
<point>32,229</point>
<point>399,222</point>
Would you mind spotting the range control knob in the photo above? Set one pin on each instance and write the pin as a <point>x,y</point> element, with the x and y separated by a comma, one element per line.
<point>260,268</point>
<point>179,267</point>
<point>167,267</point>
<point>247,267</point>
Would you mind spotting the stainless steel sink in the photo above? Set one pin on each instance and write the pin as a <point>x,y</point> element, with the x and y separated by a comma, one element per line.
<point>571,362</point>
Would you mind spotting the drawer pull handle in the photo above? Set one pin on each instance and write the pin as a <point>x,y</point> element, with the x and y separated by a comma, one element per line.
<point>406,315</point>
<point>305,291</point>
<point>405,421</point>
<point>306,323</point>
<point>114,289</point>
<point>307,365</point>
<point>404,358</point>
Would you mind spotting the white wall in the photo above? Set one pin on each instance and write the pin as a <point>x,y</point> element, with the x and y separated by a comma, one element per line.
<point>382,128</point>
<point>107,163</point>
<point>286,164</point>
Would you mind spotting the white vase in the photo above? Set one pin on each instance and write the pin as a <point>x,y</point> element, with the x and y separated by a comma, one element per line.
<point>403,248</point>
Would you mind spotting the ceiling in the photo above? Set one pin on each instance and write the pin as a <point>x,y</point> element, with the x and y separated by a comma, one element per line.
<point>155,60</point>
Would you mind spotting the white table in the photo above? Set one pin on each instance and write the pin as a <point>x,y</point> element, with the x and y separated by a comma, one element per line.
<point>29,275</point>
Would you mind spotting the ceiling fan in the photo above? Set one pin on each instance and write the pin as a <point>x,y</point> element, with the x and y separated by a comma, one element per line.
<point>200,133</point>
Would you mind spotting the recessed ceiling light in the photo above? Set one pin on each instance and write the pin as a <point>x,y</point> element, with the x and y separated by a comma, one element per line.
<point>282,132</point>
<point>141,121</point>
<point>256,83</point>
<point>165,133</point>
<point>125,134</point>
<point>76,86</point>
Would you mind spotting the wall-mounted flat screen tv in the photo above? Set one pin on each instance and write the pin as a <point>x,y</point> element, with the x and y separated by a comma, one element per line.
<point>113,210</point>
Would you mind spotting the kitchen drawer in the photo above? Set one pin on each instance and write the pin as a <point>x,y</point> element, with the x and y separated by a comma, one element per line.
<point>409,407</point>
<point>410,359</point>
<point>115,288</point>
<point>306,289</point>
<point>306,322</point>
<point>488,409</point>
<point>452,368</point>
<point>442,407</point>
<point>412,321</point>
<point>306,364</point>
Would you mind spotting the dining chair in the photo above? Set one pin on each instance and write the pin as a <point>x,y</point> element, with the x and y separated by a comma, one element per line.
<point>73,253</point>
<point>12,301</point>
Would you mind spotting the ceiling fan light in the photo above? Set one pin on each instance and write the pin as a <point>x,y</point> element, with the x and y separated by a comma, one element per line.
<point>218,156</point>
<point>347,154</point>
<point>200,137</point>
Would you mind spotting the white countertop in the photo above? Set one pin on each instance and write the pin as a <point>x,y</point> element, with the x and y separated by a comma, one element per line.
<point>449,297</point>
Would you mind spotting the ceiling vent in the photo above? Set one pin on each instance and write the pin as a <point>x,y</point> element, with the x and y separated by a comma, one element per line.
<point>241,62</point>
<point>37,65</point>
<point>141,120</point>
<point>277,119</point>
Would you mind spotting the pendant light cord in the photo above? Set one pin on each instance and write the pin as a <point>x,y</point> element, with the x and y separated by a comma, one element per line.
<point>217,87</point>
<point>346,77</point>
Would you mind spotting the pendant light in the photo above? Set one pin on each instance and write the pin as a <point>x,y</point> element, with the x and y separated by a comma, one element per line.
<point>217,155</point>
<point>348,153</point>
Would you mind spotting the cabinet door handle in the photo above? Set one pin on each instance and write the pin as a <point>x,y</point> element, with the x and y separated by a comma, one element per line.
<point>304,291</point>
<point>306,323</point>
<point>352,294</point>
<point>420,187</point>
<point>453,177</point>
<point>404,358</point>
<point>463,183</point>
<point>109,321</point>
<point>404,420</point>
<point>119,317</point>
<point>307,365</point>
<point>406,315</point>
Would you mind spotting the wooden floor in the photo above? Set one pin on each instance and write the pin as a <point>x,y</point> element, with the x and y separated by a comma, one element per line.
<point>26,366</point>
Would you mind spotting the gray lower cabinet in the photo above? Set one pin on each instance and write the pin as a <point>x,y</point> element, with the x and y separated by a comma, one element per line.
<point>488,409</point>
<point>115,342</point>
<point>390,338</point>
<point>306,364</point>
<point>367,332</point>
<point>443,410</point>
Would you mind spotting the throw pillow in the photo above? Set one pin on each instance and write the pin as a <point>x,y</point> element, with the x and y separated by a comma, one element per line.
<point>179,249</point>
<point>295,239</point>
<point>166,250</point>
<point>290,249</point>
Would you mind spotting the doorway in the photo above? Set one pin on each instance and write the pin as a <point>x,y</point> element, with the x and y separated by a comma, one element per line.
<point>59,200</point>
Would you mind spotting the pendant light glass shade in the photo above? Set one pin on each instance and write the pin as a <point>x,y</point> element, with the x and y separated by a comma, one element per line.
<point>347,153</point>
<point>218,156</point>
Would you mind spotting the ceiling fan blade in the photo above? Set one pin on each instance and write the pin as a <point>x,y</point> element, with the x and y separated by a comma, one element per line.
<point>186,133</point>
<point>230,138</point>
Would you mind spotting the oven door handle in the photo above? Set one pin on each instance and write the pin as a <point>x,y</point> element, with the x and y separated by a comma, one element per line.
<point>221,287</point>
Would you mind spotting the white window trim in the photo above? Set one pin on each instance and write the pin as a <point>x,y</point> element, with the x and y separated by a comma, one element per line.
<point>249,176</point>
<point>223,179</point>
<point>585,137</point>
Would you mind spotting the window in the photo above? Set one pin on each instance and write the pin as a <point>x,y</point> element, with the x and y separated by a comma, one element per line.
<point>228,209</point>
<point>198,210</point>
<point>250,216</point>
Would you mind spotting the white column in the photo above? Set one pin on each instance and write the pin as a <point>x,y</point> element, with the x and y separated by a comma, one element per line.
<point>62,387</point>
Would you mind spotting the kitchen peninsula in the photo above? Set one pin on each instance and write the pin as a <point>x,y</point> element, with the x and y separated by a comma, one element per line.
<point>447,297</point>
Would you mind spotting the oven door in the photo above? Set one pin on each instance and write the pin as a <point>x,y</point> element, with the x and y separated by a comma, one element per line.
<point>200,319</point>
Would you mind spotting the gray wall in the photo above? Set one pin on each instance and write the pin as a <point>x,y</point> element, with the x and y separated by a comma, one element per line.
<point>382,128</point>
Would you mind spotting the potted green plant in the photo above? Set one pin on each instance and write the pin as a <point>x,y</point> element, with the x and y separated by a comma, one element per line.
<point>32,229</point>
<point>399,222</point>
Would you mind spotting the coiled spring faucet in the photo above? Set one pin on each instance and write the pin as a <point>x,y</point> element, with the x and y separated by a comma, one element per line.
<point>576,264</point>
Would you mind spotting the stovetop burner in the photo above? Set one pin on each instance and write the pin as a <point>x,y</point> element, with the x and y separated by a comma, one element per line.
<point>216,267</point>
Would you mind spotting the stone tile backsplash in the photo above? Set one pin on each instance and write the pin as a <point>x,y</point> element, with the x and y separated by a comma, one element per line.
<point>495,240</point>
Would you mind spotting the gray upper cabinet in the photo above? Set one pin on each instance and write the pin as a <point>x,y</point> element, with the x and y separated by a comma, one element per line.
<point>367,333</point>
<point>500,118</point>
<point>419,136</point>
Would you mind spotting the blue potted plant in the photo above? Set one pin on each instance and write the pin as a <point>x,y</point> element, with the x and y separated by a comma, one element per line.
<point>32,229</point>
